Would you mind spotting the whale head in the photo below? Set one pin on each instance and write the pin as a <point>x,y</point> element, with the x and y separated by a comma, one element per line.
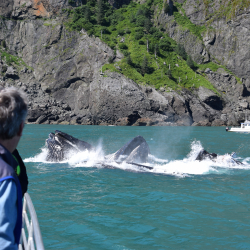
<point>59,144</point>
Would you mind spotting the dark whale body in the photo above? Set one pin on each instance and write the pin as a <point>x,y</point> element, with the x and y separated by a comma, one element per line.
<point>136,151</point>
<point>204,155</point>
<point>59,144</point>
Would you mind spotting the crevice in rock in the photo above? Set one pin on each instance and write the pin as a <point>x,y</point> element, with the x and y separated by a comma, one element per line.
<point>133,118</point>
<point>71,81</point>
<point>189,110</point>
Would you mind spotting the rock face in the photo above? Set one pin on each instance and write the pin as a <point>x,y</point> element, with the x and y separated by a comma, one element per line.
<point>31,8</point>
<point>194,45</point>
<point>6,7</point>
<point>61,73</point>
<point>226,39</point>
<point>22,9</point>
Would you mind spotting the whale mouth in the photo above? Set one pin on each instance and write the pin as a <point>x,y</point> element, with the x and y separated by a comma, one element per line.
<point>55,148</point>
<point>59,144</point>
<point>136,151</point>
<point>62,146</point>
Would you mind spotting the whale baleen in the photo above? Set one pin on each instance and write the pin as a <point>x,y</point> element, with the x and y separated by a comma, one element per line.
<point>59,144</point>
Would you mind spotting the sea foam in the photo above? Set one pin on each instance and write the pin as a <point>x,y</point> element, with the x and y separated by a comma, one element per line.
<point>181,168</point>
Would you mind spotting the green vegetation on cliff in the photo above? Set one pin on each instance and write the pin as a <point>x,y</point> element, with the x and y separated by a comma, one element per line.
<point>150,56</point>
<point>10,59</point>
<point>228,9</point>
<point>183,21</point>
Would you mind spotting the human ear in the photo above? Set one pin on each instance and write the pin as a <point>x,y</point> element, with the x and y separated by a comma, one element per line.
<point>20,130</point>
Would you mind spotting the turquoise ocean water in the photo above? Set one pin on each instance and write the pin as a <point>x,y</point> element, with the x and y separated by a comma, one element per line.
<point>180,204</point>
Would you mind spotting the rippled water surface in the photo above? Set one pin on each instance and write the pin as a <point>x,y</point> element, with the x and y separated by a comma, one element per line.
<point>180,204</point>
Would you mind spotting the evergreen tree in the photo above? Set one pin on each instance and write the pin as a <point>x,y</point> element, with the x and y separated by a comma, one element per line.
<point>138,35</point>
<point>169,73</point>
<point>151,47</point>
<point>144,66</point>
<point>139,12</point>
<point>87,13</point>
<point>166,7</point>
<point>129,60</point>
<point>165,44</point>
<point>154,48</point>
<point>91,3</point>
<point>147,24</point>
<point>180,50</point>
<point>140,21</point>
<point>100,12</point>
<point>190,62</point>
<point>132,18</point>
<point>157,34</point>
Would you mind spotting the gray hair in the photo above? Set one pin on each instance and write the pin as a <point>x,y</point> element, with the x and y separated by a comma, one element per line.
<point>13,111</point>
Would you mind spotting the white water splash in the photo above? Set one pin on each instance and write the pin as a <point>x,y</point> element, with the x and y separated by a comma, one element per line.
<point>196,147</point>
<point>181,168</point>
<point>41,157</point>
<point>187,166</point>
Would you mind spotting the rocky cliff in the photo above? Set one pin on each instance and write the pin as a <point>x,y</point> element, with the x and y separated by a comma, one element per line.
<point>227,34</point>
<point>60,70</point>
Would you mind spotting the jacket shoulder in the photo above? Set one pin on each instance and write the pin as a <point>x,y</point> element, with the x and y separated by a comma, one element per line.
<point>6,169</point>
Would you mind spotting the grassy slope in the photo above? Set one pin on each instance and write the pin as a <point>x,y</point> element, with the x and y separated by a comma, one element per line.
<point>182,75</point>
<point>183,21</point>
<point>158,79</point>
<point>9,59</point>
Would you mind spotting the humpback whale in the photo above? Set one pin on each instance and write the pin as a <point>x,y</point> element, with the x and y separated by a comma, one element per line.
<point>204,155</point>
<point>59,144</point>
<point>136,151</point>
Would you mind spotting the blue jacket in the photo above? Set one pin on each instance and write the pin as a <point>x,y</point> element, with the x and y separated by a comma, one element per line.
<point>11,200</point>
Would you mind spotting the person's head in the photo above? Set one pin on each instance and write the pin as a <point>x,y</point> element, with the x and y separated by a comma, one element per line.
<point>13,112</point>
